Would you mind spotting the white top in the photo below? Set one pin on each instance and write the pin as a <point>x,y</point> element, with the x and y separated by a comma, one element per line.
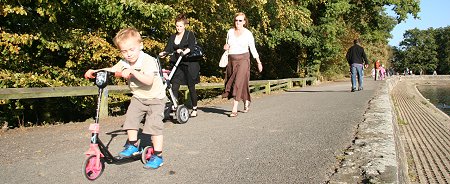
<point>147,65</point>
<point>241,44</point>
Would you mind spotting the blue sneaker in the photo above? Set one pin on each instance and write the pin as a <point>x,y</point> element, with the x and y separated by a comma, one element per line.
<point>129,151</point>
<point>154,163</point>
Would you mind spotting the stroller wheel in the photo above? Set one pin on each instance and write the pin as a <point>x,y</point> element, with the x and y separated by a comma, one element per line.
<point>182,114</point>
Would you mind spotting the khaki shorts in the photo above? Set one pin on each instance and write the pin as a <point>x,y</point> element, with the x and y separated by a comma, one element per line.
<point>152,109</point>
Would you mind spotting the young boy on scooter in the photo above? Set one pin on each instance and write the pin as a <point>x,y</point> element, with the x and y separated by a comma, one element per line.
<point>149,96</point>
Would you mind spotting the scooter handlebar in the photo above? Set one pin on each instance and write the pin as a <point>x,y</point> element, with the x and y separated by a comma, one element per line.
<point>92,74</point>
<point>101,78</point>
<point>108,73</point>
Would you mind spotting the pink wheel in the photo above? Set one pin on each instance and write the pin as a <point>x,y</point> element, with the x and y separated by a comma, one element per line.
<point>93,167</point>
<point>146,154</point>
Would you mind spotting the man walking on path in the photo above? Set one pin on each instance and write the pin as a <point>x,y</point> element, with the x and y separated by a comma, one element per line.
<point>356,58</point>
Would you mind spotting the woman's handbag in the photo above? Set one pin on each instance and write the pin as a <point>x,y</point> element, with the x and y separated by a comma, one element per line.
<point>224,60</point>
<point>196,54</point>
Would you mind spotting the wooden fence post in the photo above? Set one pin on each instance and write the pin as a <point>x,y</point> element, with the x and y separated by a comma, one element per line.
<point>290,84</point>
<point>267,88</point>
<point>104,104</point>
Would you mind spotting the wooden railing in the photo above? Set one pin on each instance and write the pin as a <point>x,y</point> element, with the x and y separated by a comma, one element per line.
<point>258,86</point>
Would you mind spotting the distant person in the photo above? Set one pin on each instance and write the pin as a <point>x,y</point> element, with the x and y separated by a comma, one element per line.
<point>390,72</point>
<point>149,94</point>
<point>382,72</point>
<point>377,66</point>
<point>357,59</point>
<point>239,42</point>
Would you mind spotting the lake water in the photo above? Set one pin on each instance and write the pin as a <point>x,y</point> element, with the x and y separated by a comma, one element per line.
<point>438,95</point>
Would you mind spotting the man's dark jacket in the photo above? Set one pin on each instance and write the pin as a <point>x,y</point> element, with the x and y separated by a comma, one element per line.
<point>356,54</point>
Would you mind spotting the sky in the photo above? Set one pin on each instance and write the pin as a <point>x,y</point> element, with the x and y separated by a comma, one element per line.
<point>433,13</point>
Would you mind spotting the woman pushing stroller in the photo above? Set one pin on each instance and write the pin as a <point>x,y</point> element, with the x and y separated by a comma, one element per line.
<point>187,73</point>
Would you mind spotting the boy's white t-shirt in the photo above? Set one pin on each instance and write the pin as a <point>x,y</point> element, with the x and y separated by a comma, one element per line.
<point>241,44</point>
<point>148,65</point>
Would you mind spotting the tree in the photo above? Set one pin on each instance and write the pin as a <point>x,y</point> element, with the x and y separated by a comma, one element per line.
<point>420,50</point>
<point>442,36</point>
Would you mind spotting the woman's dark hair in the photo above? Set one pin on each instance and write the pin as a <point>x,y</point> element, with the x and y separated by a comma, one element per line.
<point>181,18</point>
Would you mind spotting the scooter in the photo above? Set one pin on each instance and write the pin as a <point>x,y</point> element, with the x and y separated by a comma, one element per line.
<point>181,111</point>
<point>98,153</point>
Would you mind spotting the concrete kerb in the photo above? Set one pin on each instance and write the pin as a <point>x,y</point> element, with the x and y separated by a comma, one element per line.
<point>372,158</point>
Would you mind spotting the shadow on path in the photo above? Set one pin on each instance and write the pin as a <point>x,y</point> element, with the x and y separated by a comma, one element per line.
<point>313,91</point>
<point>214,110</point>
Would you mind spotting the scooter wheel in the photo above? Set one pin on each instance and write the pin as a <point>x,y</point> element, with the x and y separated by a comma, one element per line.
<point>182,114</point>
<point>146,154</point>
<point>90,168</point>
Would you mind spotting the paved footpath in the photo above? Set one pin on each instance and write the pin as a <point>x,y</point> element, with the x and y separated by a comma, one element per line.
<point>288,137</point>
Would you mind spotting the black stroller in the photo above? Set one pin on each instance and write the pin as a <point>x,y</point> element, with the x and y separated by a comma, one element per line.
<point>181,111</point>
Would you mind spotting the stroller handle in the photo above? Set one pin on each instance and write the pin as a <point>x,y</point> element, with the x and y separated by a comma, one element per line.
<point>164,54</point>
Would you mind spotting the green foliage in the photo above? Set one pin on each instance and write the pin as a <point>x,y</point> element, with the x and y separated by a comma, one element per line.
<point>424,50</point>
<point>52,43</point>
<point>212,79</point>
<point>442,36</point>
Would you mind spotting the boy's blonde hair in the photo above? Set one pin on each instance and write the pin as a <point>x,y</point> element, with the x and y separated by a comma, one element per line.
<point>125,34</point>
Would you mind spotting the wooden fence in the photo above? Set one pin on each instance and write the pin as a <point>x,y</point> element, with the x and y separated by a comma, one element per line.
<point>258,86</point>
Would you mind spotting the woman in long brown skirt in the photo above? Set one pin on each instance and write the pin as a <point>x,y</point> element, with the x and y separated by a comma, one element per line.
<point>239,41</point>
